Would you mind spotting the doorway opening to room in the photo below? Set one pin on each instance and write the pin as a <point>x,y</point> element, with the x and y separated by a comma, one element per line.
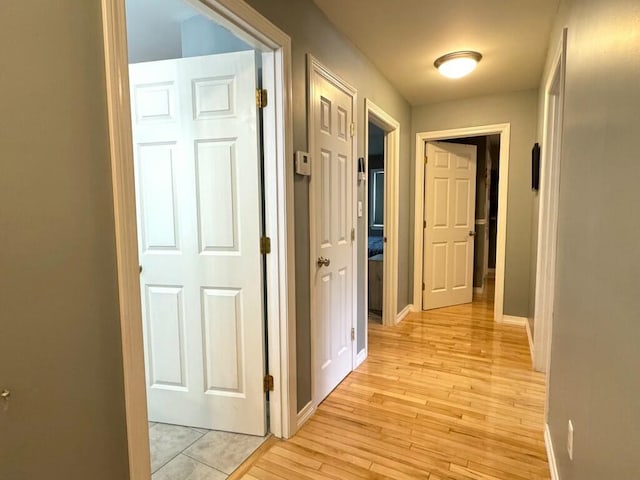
<point>375,224</point>
<point>205,360</point>
<point>378,207</point>
<point>461,217</point>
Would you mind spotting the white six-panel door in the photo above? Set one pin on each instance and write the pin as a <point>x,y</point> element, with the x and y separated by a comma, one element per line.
<point>331,218</point>
<point>199,224</point>
<point>449,215</point>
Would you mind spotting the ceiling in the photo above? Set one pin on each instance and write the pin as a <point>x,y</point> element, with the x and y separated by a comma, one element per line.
<point>404,37</point>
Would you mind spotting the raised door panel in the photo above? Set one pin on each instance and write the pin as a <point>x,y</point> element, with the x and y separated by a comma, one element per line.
<point>223,325</point>
<point>166,360</point>
<point>157,189</point>
<point>217,196</point>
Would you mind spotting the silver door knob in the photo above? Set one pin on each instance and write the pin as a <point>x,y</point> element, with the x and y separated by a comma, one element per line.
<point>323,262</point>
<point>472,233</point>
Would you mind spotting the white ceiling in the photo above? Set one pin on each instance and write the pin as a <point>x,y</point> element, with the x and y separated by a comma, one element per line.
<point>404,37</point>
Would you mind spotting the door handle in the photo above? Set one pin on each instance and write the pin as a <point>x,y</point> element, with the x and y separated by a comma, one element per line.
<point>472,233</point>
<point>323,262</point>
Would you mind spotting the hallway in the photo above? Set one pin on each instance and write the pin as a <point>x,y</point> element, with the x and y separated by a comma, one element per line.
<point>447,394</point>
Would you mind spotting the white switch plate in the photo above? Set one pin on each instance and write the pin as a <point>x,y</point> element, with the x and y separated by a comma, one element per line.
<point>359,209</point>
<point>303,163</point>
<point>570,440</point>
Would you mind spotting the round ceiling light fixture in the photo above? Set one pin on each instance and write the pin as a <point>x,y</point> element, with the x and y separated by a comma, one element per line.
<point>457,64</point>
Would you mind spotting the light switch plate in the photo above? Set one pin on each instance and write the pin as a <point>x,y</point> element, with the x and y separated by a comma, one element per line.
<point>303,163</point>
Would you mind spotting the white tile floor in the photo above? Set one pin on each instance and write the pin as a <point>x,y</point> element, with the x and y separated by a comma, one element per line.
<point>185,453</point>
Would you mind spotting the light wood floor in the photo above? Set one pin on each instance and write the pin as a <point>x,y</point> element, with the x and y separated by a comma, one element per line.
<point>447,394</point>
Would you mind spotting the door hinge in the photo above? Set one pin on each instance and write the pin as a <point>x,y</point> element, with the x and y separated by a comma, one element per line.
<point>353,129</point>
<point>426,159</point>
<point>423,287</point>
<point>261,98</point>
<point>424,224</point>
<point>353,234</point>
<point>268,383</point>
<point>353,334</point>
<point>265,245</point>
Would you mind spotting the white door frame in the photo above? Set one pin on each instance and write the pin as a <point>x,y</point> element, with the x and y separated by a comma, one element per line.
<point>548,209</point>
<point>376,115</point>
<point>315,66</point>
<point>504,130</point>
<point>276,47</point>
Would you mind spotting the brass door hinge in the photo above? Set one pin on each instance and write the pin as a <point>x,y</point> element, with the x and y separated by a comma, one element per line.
<point>268,383</point>
<point>265,245</point>
<point>424,224</point>
<point>261,98</point>
<point>353,334</point>
<point>353,234</point>
<point>423,287</point>
<point>426,159</point>
<point>353,129</point>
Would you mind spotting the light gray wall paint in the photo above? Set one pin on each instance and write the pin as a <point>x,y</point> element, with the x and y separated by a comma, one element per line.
<point>154,29</point>
<point>60,348</point>
<point>520,110</point>
<point>311,32</point>
<point>595,355</point>
<point>201,36</point>
<point>172,29</point>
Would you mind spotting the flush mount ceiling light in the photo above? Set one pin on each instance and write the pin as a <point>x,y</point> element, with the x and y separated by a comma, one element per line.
<point>457,64</point>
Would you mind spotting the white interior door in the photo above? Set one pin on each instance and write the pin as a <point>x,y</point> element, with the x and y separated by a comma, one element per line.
<point>449,216</point>
<point>199,225</point>
<point>332,248</point>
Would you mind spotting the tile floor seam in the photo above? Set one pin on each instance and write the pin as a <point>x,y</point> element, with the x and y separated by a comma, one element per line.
<point>179,453</point>
<point>204,463</point>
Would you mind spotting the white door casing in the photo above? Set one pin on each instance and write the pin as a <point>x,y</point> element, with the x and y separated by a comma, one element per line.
<point>199,221</point>
<point>449,217</point>
<point>331,194</point>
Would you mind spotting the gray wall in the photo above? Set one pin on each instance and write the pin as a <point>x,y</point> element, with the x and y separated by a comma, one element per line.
<point>311,32</point>
<point>60,350</point>
<point>519,109</point>
<point>595,355</point>
<point>202,36</point>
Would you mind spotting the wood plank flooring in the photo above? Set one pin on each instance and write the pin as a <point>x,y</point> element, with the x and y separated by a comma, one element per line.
<point>447,394</point>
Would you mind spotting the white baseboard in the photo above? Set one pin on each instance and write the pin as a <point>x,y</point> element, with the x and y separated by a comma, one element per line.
<point>360,357</point>
<point>405,311</point>
<point>531,346</point>
<point>551,456</point>
<point>305,414</point>
<point>511,320</point>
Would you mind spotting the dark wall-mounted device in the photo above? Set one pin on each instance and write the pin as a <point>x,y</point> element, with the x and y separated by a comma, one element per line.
<point>535,167</point>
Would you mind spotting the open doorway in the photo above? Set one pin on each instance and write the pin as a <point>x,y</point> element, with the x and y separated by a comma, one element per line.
<point>459,195</point>
<point>198,160</point>
<point>375,207</point>
<point>378,177</point>
<point>188,175</point>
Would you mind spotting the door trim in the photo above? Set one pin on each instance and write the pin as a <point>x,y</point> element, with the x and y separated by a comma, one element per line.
<point>315,66</point>
<point>376,115</point>
<point>502,129</point>
<point>276,45</point>
<point>548,207</point>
